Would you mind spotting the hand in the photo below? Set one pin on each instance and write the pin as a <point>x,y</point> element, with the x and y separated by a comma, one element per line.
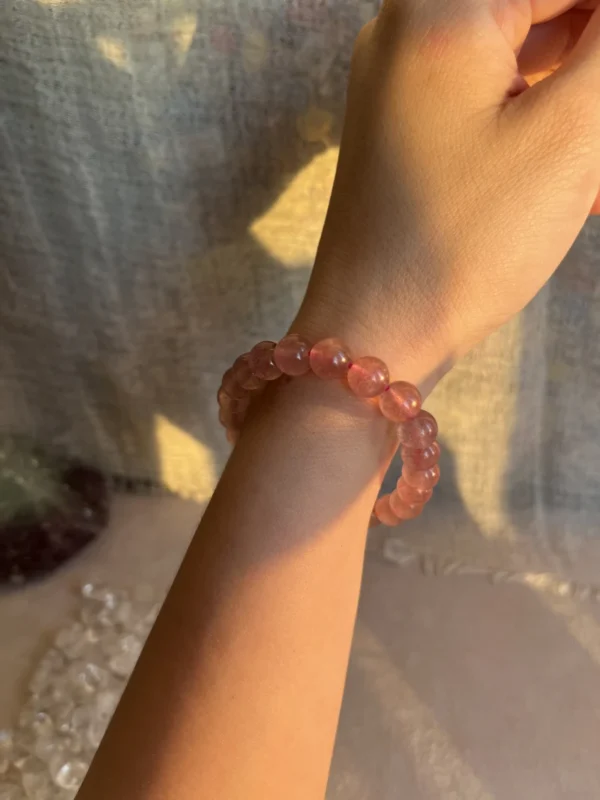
<point>459,189</point>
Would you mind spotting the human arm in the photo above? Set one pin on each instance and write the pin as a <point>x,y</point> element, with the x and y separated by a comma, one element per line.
<point>437,233</point>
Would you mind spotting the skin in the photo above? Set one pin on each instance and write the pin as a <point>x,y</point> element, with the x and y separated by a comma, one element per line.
<point>458,193</point>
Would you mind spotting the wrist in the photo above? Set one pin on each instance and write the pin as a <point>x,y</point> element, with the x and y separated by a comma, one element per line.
<point>408,334</point>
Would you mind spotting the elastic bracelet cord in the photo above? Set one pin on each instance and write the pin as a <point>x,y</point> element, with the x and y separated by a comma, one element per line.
<point>368,378</point>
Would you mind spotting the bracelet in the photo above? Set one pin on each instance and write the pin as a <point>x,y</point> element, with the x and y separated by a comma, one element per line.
<point>368,378</point>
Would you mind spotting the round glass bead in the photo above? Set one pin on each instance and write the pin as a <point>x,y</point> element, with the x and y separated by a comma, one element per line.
<point>368,377</point>
<point>404,510</point>
<point>401,401</point>
<point>231,386</point>
<point>421,459</point>
<point>411,494</point>
<point>419,432</point>
<point>330,359</point>
<point>292,355</point>
<point>421,479</point>
<point>261,361</point>
<point>242,372</point>
<point>384,513</point>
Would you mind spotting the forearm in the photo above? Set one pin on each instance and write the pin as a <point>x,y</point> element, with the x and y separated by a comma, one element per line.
<point>237,693</point>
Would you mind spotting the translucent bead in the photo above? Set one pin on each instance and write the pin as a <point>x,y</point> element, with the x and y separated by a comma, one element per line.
<point>70,775</point>
<point>95,732</point>
<point>46,749</point>
<point>421,479</point>
<point>51,664</point>
<point>421,459</point>
<point>123,662</point>
<point>419,432</point>
<point>404,510</point>
<point>87,678</point>
<point>107,702</point>
<point>261,361</point>
<point>71,641</point>
<point>42,724</point>
<point>400,402</point>
<point>35,779</point>
<point>224,400</point>
<point>230,385</point>
<point>6,751</point>
<point>10,791</point>
<point>384,513</point>
<point>368,377</point>
<point>330,359</point>
<point>292,355</point>
<point>410,494</point>
<point>243,375</point>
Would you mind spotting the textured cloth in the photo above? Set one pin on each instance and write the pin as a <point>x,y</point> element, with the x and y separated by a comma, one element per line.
<point>164,174</point>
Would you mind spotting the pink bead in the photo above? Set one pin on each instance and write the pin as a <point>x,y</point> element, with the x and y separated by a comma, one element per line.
<point>224,400</point>
<point>261,361</point>
<point>421,479</point>
<point>421,459</point>
<point>242,372</point>
<point>400,402</point>
<point>404,510</point>
<point>330,359</point>
<point>384,513</point>
<point>231,386</point>
<point>419,432</point>
<point>233,417</point>
<point>292,355</point>
<point>411,494</point>
<point>368,377</point>
<point>232,406</point>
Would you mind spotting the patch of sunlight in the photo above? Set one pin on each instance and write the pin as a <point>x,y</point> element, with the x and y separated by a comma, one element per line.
<point>438,763</point>
<point>186,465</point>
<point>114,51</point>
<point>291,227</point>
<point>582,626</point>
<point>183,29</point>
<point>255,50</point>
<point>482,396</point>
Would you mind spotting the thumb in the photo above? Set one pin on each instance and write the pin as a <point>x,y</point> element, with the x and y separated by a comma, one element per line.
<point>559,119</point>
<point>577,82</point>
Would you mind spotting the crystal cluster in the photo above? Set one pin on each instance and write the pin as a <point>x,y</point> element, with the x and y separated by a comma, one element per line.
<point>73,693</point>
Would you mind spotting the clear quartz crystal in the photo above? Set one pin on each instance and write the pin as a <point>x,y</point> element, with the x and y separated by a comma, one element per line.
<point>124,660</point>
<point>6,751</point>
<point>35,779</point>
<point>73,694</point>
<point>69,774</point>
<point>71,641</point>
<point>10,791</point>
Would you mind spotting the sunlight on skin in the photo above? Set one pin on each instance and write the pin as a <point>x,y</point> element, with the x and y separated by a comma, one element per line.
<point>114,51</point>
<point>186,465</point>
<point>290,230</point>
<point>437,762</point>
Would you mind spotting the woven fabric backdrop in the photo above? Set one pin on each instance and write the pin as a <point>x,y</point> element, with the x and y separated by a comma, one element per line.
<point>165,167</point>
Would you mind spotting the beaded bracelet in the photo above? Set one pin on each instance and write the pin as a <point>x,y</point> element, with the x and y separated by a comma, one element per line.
<point>368,378</point>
